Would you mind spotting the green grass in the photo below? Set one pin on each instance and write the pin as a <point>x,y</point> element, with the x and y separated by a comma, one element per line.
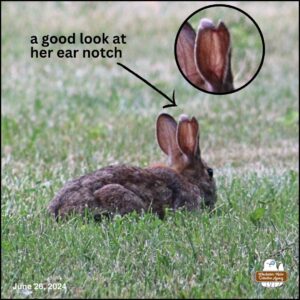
<point>61,119</point>
<point>186,255</point>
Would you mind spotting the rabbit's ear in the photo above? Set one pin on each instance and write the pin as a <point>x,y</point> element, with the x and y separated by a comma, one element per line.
<point>188,136</point>
<point>166,128</point>
<point>212,53</point>
<point>185,54</point>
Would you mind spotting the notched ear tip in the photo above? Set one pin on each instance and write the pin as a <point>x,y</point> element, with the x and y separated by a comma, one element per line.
<point>194,119</point>
<point>222,26</point>
<point>185,118</point>
<point>221,23</point>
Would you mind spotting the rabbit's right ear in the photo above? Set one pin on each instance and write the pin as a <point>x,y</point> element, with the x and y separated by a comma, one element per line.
<point>185,54</point>
<point>166,128</point>
<point>212,54</point>
<point>188,137</point>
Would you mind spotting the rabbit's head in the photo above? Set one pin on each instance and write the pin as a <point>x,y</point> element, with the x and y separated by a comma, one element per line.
<point>205,57</point>
<point>181,143</point>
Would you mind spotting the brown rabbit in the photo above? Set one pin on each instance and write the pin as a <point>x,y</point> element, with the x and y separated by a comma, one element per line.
<point>205,57</point>
<point>187,181</point>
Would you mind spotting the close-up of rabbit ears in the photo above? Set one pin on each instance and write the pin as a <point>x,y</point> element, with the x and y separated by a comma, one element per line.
<point>205,55</point>
<point>176,139</point>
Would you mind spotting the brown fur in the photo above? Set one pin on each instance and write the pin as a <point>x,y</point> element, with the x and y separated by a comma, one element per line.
<point>123,189</point>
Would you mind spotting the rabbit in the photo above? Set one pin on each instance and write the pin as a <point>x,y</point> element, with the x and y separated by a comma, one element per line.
<point>185,182</point>
<point>205,57</point>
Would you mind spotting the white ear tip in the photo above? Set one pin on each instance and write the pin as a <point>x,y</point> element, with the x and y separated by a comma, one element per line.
<point>183,117</point>
<point>206,23</point>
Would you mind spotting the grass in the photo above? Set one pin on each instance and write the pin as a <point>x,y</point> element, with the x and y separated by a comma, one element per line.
<point>186,255</point>
<point>63,118</point>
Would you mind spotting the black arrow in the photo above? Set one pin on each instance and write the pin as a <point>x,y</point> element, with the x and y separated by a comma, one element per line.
<point>173,102</point>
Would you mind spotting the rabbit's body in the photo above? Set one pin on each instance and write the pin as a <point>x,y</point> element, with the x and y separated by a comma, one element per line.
<point>123,189</point>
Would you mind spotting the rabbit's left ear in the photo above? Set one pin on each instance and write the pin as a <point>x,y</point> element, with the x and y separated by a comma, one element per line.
<point>166,128</point>
<point>185,54</point>
<point>188,136</point>
<point>212,53</point>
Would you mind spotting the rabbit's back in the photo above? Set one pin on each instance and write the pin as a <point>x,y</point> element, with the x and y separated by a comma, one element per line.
<point>122,189</point>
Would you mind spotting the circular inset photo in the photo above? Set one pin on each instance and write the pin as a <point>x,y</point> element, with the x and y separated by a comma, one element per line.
<point>219,49</point>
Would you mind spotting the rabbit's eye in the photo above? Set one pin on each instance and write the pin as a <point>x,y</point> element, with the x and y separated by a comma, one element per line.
<point>210,172</point>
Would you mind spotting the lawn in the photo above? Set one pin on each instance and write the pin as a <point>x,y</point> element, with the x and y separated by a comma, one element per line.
<point>62,118</point>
